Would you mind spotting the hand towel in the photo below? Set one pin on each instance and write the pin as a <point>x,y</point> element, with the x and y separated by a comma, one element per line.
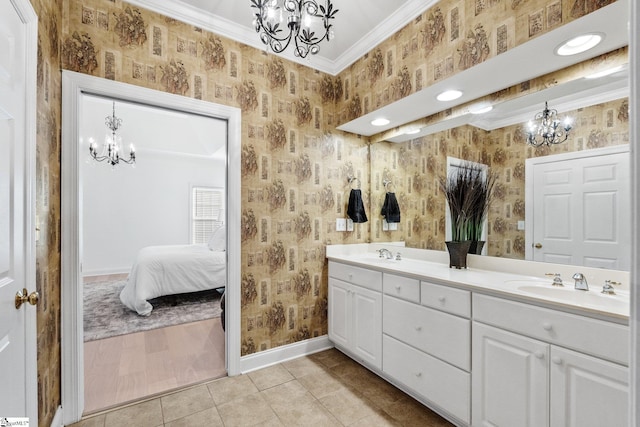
<point>390,208</point>
<point>355,209</point>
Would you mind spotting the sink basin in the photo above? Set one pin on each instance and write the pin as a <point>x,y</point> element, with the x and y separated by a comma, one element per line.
<point>567,294</point>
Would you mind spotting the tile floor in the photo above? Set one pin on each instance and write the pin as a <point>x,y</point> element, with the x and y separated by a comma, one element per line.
<point>323,389</point>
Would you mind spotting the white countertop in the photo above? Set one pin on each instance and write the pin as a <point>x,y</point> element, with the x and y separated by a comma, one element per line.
<point>525,288</point>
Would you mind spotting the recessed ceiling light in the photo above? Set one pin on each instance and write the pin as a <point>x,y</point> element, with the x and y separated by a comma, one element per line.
<point>380,122</point>
<point>449,95</point>
<point>412,131</point>
<point>579,44</point>
<point>604,73</point>
<point>480,108</point>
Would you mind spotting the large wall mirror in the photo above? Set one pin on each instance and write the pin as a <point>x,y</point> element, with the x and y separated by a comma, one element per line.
<point>599,108</point>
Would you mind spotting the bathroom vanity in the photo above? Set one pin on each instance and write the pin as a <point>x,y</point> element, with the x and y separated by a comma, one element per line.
<point>484,346</point>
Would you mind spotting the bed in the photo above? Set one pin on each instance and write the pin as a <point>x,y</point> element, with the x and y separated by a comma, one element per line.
<point>174,269</point>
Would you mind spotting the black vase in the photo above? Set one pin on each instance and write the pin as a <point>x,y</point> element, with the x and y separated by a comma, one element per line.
<point>458,253</point>
<point>476,247</point>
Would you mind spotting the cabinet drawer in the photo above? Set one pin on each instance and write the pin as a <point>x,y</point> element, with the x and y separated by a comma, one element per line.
<point>440,334</point>
<point>357,275</point>
<point>596,337</point>
<point>438,382</point>
<point>445,298</point>
<point>401,287</point>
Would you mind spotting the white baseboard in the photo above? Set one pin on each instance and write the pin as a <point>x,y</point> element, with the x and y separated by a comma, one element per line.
<point>283,353</point>
<point>57,418</point>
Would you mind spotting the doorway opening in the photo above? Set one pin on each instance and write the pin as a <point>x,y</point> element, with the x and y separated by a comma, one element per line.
<point>78,259</point>
<point>153,251</point>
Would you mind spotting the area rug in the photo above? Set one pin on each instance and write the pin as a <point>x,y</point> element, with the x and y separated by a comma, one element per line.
<point>105,316</point>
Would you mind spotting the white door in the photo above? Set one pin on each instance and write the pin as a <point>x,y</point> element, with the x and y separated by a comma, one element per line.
<point>581,210</point>
<point>510,379</point>
<point>587,392</point>
<point>17,324</point>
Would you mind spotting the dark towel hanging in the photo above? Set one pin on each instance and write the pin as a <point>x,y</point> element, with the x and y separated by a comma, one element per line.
<point>390,208</point>
<point>355,209</point>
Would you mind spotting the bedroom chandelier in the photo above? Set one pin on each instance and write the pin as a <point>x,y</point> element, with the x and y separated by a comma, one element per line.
<point>546,129</point>
<point>306,22</point>
<point>111,149</point>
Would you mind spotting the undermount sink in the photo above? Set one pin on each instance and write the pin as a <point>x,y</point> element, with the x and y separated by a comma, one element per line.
<point>592,298</point>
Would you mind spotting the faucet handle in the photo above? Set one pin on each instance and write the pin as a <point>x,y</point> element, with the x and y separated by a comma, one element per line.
<point>398,256</point>
<point>557,280</point>
<point>608,289</point>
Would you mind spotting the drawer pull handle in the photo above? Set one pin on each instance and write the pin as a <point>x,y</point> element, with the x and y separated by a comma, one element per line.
<point>418,328</point>
<point>539,354</point>
<point>556,360</point>
<point>547,326</point>
<point>441,299</point>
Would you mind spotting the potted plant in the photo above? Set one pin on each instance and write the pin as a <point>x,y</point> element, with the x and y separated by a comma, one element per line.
<point>468,193</point>
<point>456,191</point>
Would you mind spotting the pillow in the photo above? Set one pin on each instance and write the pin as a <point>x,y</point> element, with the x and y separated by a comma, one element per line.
<point>218,240</point>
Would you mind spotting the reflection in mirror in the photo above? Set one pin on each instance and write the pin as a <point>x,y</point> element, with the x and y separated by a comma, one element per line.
<point>414,165</point>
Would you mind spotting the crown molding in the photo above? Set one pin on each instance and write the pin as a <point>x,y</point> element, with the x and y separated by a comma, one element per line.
<point>394,23</point>
<point>226,28</point>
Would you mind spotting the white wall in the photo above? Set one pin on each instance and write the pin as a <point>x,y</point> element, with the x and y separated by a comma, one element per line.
<point>127,208</point>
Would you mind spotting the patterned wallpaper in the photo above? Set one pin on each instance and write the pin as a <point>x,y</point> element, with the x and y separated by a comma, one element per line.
<point>295,163</point>
<point>414,168</point>
<point>48,207</point>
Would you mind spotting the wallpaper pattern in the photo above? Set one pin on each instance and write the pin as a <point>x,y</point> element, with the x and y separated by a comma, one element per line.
<point>295,164</point>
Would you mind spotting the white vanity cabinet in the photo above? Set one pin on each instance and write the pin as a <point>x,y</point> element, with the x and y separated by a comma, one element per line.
<point>355,312</point>
<point>524,376</point>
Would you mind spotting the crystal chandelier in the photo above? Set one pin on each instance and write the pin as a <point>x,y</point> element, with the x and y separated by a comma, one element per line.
<point>546,129</point>
<point>111,148</point>
<point>305,22</point>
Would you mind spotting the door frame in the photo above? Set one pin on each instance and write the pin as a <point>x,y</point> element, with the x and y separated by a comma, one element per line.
<point>30,22</point>
<point>74,85</point>
<point>528,190</point>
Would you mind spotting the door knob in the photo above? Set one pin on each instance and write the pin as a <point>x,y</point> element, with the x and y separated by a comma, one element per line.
<point>538,245</point>
<point>22,297</point>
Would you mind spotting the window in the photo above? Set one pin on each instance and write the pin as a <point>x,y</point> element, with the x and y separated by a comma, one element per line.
<point>207,207</point>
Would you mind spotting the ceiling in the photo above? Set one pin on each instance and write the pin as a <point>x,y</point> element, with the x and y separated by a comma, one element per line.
<point>376,20</point>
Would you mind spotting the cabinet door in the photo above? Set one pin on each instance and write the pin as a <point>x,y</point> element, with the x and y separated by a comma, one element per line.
<point>367,325</point>
<point>587,392</point>
<point>339,312</point>
<point>510,379</point>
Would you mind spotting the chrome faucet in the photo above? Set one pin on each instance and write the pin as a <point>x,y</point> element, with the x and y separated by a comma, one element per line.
<point>581,282</point>
<point>385,253</point>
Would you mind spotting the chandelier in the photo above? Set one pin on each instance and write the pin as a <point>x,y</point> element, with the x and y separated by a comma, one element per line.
<point>546,129</point>
<point>111,148</point>
<point>306,22</point>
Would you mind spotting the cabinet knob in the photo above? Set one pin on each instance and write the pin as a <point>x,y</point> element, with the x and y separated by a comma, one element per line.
<point>556,360</point>
<point>398,288</point>
<point>539,354</point>
<point>418,374</point>
<point>418,328</point>
<point>547,326</point>
<point>441,299</point>
<point>350,276</point>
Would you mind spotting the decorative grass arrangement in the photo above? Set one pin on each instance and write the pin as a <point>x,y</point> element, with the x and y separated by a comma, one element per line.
<point>468,191</point>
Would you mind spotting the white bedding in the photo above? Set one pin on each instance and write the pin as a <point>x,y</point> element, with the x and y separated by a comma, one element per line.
<point>168,270</point>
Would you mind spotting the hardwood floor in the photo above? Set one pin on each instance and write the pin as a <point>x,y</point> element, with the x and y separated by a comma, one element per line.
<point>126,368</point>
